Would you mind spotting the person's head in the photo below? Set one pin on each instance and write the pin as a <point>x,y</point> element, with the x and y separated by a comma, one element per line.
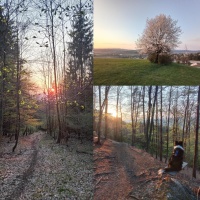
<point>179,143</point>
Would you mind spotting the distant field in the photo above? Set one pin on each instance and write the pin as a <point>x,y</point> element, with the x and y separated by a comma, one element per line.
<point>123,71</point>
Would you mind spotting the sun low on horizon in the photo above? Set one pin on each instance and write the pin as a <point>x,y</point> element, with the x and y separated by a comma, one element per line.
<point>113,113</point>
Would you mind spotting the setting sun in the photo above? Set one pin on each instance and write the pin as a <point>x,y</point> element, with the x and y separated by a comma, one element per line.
<point>51,91</point>
<point>113,113</point>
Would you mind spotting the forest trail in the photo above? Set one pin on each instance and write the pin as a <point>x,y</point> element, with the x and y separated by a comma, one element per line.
<point>16,167</point>
<point>125,172</point>
<point>42,169</point>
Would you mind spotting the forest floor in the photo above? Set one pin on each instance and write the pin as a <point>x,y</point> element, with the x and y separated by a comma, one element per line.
<point>42,169</point>
<point>125,172</point>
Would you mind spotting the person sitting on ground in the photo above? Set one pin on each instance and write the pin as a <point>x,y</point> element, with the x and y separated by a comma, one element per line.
<point>176,160</point>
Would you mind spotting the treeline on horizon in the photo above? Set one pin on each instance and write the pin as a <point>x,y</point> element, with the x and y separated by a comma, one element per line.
<point>181,56</point>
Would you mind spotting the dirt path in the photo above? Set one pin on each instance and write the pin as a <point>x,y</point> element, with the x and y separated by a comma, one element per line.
<point>42,169</point>
<point>34,140</point>
<point>110,175</point>
<point>16,167</point>
<point>125,172</point>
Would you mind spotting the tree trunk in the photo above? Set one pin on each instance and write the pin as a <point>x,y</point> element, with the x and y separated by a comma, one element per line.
<point>55,73</point>
<point>161,138</point>
<point>2,96</point>
<point>17,91</point>
<point>143,108</point>
<point>148,119</point>
<point>107,88</point>
<point>152,115</point>
<point>94,114</point>
<point>186,114</point>
<point>136,116</point>
<point>157,137</point>
<point>116,120</point>
<point>168,118</point>
<point>121,137</point>
<point>100,117</point>
<point>132,116</point>
<point>157,55</point>
<point>196,137</point>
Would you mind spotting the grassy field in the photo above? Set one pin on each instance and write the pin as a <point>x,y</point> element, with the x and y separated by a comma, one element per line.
<point>123,71</point>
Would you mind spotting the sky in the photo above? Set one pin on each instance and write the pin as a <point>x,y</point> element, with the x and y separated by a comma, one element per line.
<point>119,23</point>
<point>125,99</point>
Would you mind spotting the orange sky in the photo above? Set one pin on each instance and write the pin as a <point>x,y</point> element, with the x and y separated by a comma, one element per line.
<point>119,23</point>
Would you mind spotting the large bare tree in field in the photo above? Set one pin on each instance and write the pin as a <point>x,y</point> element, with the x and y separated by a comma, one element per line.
<point>161,35</point>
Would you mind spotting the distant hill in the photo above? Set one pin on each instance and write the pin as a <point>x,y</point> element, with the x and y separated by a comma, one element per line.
<point>115,53</point>
<point>126,53</point>
<point>185,51</point>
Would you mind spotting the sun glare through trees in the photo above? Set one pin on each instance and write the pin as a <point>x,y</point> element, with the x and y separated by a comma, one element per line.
<point>150,117</point>
<point>45,91</point>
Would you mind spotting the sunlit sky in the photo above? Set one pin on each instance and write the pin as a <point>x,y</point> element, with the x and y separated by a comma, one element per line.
<point>125,99</point>
<point>118,23</point>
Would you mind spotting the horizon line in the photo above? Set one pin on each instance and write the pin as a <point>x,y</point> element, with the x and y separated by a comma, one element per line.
<point>138,49</point>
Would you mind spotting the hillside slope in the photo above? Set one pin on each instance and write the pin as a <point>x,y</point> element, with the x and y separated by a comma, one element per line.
<point>125,172</point>
<point>124,71</point>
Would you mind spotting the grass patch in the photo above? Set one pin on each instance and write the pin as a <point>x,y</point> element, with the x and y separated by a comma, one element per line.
<point>123,71</point>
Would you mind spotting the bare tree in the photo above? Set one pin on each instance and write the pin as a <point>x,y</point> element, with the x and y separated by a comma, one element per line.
<point>17,87</point>
<point>117,112</point>
<point>148,116</point>
<point>186,113</point>
<point>107,88</point>
<point>161,117</point>
<point>132,114</point>
<point>100,116</point>
<point>152,116</point>
<point>157,131</point>
<point>168,119</point>
<point>196,137</point>
<point>121,122</point>
<point>161,35</point>
<point>143,106</point>
<point>135,103</point>
<point>55,71</point>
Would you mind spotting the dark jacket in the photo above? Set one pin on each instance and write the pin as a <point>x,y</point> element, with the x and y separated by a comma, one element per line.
<point>176,160</point>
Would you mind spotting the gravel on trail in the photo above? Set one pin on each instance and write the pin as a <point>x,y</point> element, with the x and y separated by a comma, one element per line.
<point>42,169</point>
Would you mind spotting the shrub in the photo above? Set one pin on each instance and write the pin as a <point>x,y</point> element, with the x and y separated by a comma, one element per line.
<point>164,59</point>
<point>152,57</point>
